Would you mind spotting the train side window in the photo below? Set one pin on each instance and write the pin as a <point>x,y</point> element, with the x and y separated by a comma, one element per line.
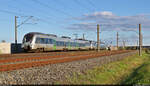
<point>67,43</point>
<point>75,44</point>
<point>61,43</point>
<point>71,44</point>
<point>46,40</point>
<point>57,43</point>
<point>53,41</point>
<point>37,40</point>
<point>78,44</point>
<point>42,41</point>
<point>64,43</point>
<point>50,41</point>
<point>81,45</point>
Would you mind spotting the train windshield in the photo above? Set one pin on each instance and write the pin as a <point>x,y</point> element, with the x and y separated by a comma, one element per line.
<point>28,38</point>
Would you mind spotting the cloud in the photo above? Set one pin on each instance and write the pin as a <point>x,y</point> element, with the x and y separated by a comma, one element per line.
<point>104,13</point>
<point>110,21</point>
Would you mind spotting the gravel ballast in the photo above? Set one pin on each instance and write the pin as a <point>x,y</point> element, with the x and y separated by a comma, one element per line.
<point>49,74</point>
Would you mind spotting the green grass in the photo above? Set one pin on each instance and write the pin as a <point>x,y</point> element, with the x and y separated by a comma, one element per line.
<point>131,70</point>
<point>140,76</point>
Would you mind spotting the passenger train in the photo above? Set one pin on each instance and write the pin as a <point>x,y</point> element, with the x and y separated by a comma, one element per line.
<point>35,41</point>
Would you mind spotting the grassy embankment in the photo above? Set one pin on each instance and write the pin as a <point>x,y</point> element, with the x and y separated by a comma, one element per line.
<point>131,70</point>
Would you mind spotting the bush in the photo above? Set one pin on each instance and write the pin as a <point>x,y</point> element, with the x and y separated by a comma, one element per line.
<point>131,48</point>
<point>147,51</point>
<point>121,48</point>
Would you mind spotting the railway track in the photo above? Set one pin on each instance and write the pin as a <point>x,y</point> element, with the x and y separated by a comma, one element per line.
<point>20,63</point>
<point>22,55</point>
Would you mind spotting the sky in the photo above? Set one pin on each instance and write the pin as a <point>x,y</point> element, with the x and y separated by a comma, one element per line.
<point>70,17</point>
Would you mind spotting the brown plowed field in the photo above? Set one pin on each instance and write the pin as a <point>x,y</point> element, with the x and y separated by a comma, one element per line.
<point>50,58</point>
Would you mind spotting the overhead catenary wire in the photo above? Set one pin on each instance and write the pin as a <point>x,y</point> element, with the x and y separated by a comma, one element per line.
<point>25,21</point>
<point>39,10</point>
<point>48,21</point>
<point>10,12</point>
<point>21,14</point>
<point>14,13</point>
<point>44,5</point>
<point>66,6</point>
<point>61,3</point>
<point>46,14</point>
<point>81,5</point>
<point>18,14</point>
<point>52,8</point>
<point>91,3</point>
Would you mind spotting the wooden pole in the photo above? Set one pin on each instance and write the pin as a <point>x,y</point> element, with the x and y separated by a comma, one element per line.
<point>140,41</point>
<point>98,42</point>
<point>117,39</point>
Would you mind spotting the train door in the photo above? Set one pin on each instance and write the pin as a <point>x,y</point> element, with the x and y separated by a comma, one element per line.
<point>49,44</point>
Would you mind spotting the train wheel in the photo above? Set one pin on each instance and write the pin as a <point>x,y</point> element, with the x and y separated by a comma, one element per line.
<point>89,49</point>
<point>42,50</point>
<point>25,50</point>
<point>38,50</point>
<point>79,49</point>
<point>65,49</point>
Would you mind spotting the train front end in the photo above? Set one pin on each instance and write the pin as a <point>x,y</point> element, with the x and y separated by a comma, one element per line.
<point>27,42</point>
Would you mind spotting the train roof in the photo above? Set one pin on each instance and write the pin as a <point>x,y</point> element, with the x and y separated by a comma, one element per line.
<point>38,33</point>
<point>65,37</point>
<point>82,39</point>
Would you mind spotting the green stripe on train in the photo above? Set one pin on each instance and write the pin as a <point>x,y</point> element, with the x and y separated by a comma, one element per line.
<point>54,46</point>
<point>69,47</point>
<point>77,46</point>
